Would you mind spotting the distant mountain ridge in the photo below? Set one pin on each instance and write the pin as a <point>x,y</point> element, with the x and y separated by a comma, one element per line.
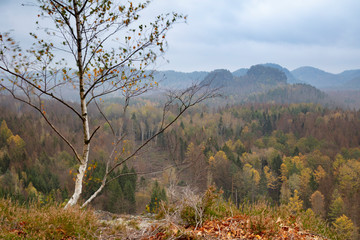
<point>259,79</point>
<point>269,82</point>
<point>347,80</point>
<point>259,83</point>
<point>325,80</point>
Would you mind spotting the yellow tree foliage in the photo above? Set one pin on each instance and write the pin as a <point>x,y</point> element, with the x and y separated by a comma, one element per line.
<point>345,228</point>
<point>337,208</point>
<point>298,161</point>
<point>251,175</point>
<point>31,190</point>
<point>292,165</point>
<point>16,142</point>
<point>305,177</point>
<point>284,172</point>
<point>271,181</point>
<point>220,157</point>
<point>319,173</point>
<point>349,177</point>
<point>231,145</point>
<point>5,133</point>
<point>245,130</point>
<point>295,204</point>
<point>220,167</point>
<point>190,151</point>
<point>239,145</point>
<point>212,161</point>
<point>16,147</point>
<point>339,161</point>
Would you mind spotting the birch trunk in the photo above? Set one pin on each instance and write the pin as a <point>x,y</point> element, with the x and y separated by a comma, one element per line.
<point>95,194</point>
<point>84,113</point>
<point>82,168</point>
<point>78,186</point>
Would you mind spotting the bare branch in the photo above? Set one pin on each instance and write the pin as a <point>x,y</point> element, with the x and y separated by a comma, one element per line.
<point>42,91</point>
<point>201,92</point>
<point>47,121</point>
<point>114,67</point>
<point>106,119</point>
<point>93,133</point>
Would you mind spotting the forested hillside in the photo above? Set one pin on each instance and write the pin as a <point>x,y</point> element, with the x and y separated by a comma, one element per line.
<point>251,151</point>
<point>295,93</point>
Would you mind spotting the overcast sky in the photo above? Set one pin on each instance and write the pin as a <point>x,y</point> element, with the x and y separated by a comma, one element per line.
<point>233,34</point>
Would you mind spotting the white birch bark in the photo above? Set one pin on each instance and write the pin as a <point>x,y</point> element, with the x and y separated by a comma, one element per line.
<point>85,121</point>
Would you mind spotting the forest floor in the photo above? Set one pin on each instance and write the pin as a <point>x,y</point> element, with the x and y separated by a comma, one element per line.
<point>36,221</point>
<point>146,227</point>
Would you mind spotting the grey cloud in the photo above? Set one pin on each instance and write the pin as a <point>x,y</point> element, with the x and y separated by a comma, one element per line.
<point>237,33</point>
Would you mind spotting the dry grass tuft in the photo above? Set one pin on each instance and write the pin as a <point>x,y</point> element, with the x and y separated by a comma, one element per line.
<point>45,222</point>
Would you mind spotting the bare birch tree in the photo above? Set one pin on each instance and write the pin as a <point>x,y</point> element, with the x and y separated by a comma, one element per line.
<point>96,47</point>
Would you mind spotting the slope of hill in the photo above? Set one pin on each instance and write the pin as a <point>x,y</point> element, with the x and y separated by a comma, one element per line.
<point>173,79</point>
<point>349,75</point>
<point>325,80</point>
<point>219,78</point>
<point>289,75</point>
<point>265,75</point>
<point>346,98</point>
<point>353,84</point>
<point>240,72</point>
<point>297,93</point>
<point>316,77</point>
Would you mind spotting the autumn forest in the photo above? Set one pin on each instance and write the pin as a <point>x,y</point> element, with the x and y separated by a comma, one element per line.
<point>97,142</point>
<point>251,151</point>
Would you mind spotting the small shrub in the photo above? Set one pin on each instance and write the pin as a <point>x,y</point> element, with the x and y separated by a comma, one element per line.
<point>157,196</point>
<point>192,209</point>
<point>263,225</point>
<point>189,216</point>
